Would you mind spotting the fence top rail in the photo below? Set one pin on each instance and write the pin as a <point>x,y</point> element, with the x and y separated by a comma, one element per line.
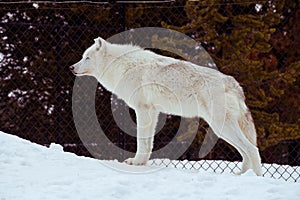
<point>126,2</point>
<point>94,2</point>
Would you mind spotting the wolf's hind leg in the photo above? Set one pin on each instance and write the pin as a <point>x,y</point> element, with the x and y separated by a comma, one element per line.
<point>232,134</point>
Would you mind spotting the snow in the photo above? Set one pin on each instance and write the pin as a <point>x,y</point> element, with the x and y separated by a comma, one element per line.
<point>35,5</point>
<point>1,56</point>
<point>258,7</point>
<point>31,171</point>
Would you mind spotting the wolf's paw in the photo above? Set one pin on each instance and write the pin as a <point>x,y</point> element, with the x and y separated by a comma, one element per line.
<point>249,171</point>
<point>134,161</point>
<point>239,173</point>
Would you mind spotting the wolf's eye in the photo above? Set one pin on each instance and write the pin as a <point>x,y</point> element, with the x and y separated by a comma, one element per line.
<point>87,58</point>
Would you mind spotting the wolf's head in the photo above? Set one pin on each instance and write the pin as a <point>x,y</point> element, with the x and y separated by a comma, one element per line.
<point>91,60</point>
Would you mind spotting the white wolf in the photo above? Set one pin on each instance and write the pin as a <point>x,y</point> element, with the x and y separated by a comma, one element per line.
<point>151,83</point>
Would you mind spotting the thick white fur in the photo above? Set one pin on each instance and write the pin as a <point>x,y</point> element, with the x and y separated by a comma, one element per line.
<point>150,83</point>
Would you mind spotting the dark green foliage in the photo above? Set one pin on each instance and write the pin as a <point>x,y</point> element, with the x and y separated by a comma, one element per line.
<point>258,47</point>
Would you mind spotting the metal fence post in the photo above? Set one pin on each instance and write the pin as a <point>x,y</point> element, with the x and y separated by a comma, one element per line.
<point>58,88</point>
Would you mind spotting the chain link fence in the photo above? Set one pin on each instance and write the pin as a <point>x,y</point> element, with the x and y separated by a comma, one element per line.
<point>254,41</point>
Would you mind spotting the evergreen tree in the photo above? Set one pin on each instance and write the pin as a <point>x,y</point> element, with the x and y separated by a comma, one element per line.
<point>252,42</point>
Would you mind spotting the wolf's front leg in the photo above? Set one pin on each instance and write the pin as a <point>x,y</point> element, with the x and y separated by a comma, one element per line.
<point>146,123</point>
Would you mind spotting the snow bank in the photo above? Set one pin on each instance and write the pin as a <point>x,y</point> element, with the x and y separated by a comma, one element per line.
<point>30,171</point>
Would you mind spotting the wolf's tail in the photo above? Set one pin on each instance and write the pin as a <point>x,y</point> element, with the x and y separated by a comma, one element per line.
<point>245,120</point>
<point>246,123</point>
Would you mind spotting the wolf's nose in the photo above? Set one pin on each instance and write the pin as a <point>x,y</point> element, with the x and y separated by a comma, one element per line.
<point>72,68</point>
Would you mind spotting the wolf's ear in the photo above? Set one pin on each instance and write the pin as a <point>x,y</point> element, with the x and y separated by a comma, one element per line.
<point>98,42</point>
